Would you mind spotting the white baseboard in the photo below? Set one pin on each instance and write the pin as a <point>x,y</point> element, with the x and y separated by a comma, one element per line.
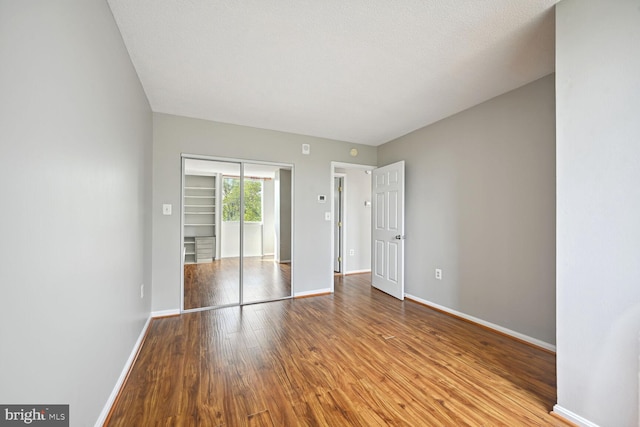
<point>489,325</point>
<point>123,375</point>
<point>574,418</point>
<point>346,273</point>
<point>311,293</point>
<point>165,313</point>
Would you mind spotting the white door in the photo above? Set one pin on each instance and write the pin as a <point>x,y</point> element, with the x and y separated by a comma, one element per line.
<point>387,189</point>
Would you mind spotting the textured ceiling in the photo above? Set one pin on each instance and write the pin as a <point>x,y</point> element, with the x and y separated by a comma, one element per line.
<point>363,71</point>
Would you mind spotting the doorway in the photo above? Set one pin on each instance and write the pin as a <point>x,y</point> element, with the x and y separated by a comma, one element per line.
<point>236,232</point>
<point>338,214</point>
<point>351,218</point>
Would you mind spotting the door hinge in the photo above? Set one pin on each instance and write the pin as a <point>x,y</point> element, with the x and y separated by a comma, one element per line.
<point>340,224</point>
<point>339,259</point>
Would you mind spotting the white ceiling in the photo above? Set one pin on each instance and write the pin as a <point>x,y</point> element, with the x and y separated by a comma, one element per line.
<point>363,71</point>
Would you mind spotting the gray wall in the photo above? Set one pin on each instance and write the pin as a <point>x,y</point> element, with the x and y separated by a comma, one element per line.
<point>312,176</point>
<point>75,180</point>
<point>358,220</point>
<point>285,193</point>
<point>598,115</point>
<point>480,205</point>
<point>268,217</point>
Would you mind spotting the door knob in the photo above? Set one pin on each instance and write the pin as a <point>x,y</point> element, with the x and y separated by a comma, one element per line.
<point>399,237</point>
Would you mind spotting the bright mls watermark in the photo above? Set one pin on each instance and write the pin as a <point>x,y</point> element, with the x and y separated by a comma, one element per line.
<point>36,415</point>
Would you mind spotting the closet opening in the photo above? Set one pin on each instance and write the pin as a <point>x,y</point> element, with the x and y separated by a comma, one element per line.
<point>236,232</point>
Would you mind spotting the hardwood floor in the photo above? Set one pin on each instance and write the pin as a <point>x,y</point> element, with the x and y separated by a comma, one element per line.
<point>216,283</point>
<point>357,357</point>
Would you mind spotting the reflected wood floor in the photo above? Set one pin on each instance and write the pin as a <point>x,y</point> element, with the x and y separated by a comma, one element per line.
<point>217,283</point>
<point>358,357</point>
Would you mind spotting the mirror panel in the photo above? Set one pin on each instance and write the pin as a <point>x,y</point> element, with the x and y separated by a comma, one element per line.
<point>267,233</point>
<point>211,267</point>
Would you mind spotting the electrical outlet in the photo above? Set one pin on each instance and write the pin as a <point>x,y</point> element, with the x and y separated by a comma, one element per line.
<point>438,273</point>
<point>142,291</point>
<point>352,252</point>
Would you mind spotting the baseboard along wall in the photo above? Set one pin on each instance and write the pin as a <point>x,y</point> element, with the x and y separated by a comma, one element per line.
<point>313,293</point>
<point>106,410</point>
<point>567,415</point>
<point>165,313</point>
<point>497,328</point>
<point>104,415</point>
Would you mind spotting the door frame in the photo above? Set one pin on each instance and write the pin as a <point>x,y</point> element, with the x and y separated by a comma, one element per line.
<point>334,166</point>
<point>241,162</point>
<point>342,214</point>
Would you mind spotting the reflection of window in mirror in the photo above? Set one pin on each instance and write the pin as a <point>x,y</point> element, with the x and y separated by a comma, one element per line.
<point>252,199</point>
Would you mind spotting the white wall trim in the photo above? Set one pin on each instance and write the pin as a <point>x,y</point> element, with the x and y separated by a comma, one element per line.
<point>490,325</point>
<point>344,212</point>
<point>165,313</point>
<point>574,418</point>
<point>314,292</point>
<point>123,375</point>
<point>346,273</point>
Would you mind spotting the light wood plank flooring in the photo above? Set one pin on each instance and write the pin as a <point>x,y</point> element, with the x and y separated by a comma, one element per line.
<point>358,357</point>
<point>216,283</point>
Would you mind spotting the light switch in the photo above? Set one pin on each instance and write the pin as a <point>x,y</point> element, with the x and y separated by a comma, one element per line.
<point>166,209</point>
<point>327,216</point>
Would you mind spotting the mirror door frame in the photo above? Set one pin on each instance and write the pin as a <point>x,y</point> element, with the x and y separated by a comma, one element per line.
<point>241,163</point>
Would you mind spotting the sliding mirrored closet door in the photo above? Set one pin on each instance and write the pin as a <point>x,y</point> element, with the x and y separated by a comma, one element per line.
<point>237,228</point>
<point>211,278</point>
<point>267,229</point>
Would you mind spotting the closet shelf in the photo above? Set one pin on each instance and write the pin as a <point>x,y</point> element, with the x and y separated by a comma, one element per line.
<point>199,212</point>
